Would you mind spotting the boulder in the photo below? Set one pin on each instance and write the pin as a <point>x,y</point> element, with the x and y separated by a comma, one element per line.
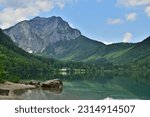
<point>4,92</point>
<point>34,82</point>
<point>52,84</point>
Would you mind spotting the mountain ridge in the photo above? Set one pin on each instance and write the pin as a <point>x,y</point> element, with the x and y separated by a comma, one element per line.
<point>66,43</point>
<point>35,34</point>
<point>14,62</point>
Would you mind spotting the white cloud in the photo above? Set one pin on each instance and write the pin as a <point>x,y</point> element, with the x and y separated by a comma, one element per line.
<point>44,5</point>
<point>127,37</point>
<point>114,21</point>
<point>1,1</point>
<point>133,2</point>
<point>147,11</point>
<point>131,17</point>
<point>15,11</point>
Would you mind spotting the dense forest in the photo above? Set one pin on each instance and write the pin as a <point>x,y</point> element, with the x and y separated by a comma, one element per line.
<point>15,63</point>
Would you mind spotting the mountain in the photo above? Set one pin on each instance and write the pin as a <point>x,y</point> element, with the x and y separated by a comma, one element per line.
<point>142,51</point>
<point>35,35</point>
<point>16,64</point>
<point>14,61</point>
<point>138,51</point>
<point>87,50</point>
<point>53,37</point>
<point>113,52</point>
<point>78,49</point>
<point>128,52</point>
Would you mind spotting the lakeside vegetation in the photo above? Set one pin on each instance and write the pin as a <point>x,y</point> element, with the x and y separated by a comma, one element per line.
<point>15,63</point>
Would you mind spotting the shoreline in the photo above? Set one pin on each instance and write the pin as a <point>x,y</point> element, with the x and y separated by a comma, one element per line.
<point>7,90</point>
<point>15,86</point>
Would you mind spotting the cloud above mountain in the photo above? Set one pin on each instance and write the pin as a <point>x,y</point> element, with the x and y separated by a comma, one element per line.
<point>127,37</point>
<point>114,21</point>
<point>147,11</point>
<point>131,16</point>
<point>136,3</point>
<point>14,11</point>
<point>132,3</point>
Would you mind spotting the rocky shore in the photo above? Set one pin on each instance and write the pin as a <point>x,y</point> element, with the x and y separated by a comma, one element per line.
<point>7,89</point>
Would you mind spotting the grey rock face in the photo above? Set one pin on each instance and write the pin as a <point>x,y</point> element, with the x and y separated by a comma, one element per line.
<point>35,35</point>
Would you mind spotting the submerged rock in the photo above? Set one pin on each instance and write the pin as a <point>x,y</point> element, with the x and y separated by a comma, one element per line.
<point>52,84</point>
<point>4,92</point>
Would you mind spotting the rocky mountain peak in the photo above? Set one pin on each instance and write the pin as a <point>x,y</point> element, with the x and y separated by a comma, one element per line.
<point>36,34</point>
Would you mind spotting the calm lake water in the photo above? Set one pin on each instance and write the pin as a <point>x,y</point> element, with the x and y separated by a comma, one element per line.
<point>96,87</point>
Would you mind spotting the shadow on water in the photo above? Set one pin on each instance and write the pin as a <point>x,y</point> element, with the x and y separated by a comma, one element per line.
<point>94,86</point>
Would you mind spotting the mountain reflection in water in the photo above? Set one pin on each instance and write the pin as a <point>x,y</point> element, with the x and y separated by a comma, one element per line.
<point>95,87</point>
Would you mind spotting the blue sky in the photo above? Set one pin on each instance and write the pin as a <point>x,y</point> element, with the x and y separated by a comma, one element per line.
<point>108,21</point>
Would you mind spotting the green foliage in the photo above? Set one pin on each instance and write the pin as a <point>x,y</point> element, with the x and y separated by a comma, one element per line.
<point>14,60</point>
<point>75,50</point>
<point>13,78</point>
<point>85,50</point>
<point>95,56</point>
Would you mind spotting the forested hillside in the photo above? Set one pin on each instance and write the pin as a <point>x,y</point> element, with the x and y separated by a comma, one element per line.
<point>14,60</point>
<point>84,49</point>
<point>53,37</point>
